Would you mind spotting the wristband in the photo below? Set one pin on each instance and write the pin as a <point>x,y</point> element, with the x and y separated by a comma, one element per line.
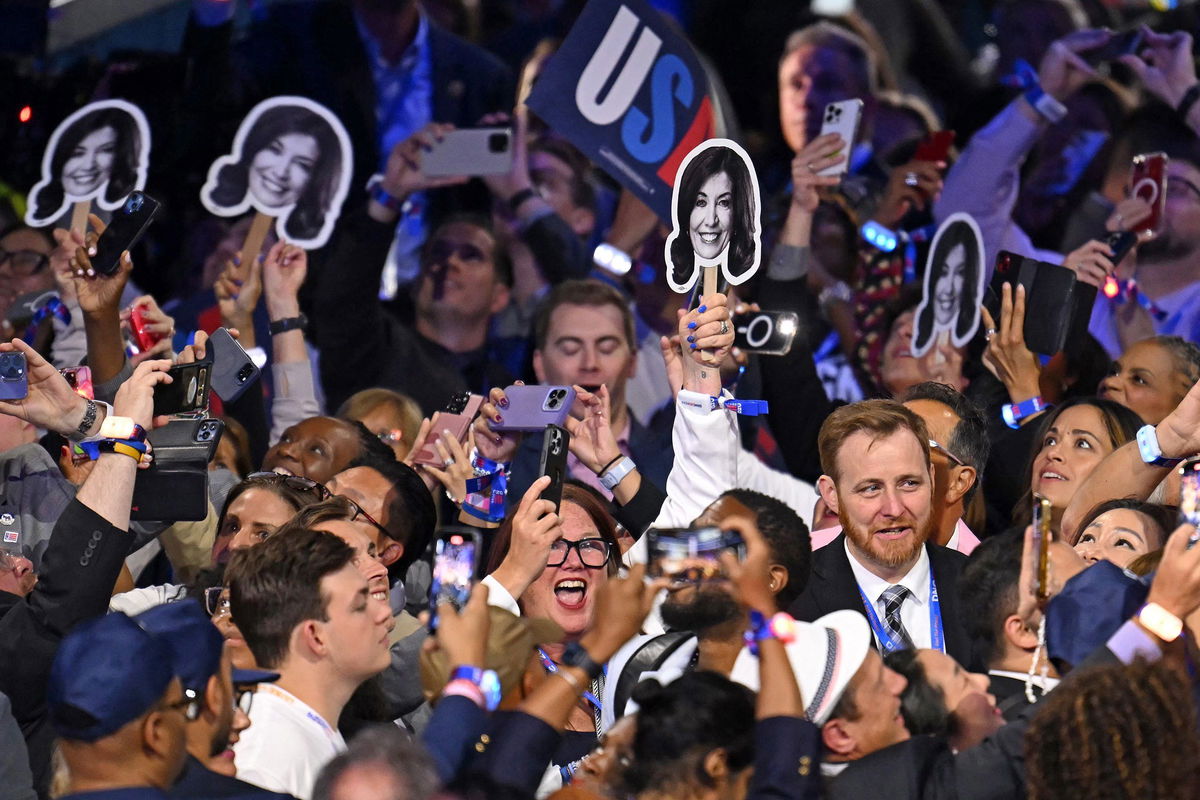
<point>1013,413</point>
<point>1160,622</point>
<point>612,259</point>
<point>134,450</point>
<point>1046,106</point>
<point>382,196</point>
<point>1187,101</point>
<point>486,680</point>
<point>838,290</point>
<point>779,626</point>
<point>121,428</point>
<point>879,237</point>
<point>520,197</point>
<point>614,474</point>
<point>465,689</point>
<point>576,656</point>
<point>706,404</point>
<point>288,324</point>
<point>1149,449</point>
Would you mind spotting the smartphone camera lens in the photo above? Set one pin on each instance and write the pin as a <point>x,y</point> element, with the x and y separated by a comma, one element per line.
<point>11,367</point>
<point>133,204</point>
<point>244,373</point>
<point>498,143</point>
<point>206,433</point>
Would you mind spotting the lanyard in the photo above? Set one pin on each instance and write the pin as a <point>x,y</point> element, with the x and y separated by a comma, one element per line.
<point>936,635</point>
<point>551,668</point>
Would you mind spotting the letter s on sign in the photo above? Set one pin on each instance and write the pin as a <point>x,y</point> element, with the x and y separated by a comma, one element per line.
<point>653,148</point>
<point>604,62</point>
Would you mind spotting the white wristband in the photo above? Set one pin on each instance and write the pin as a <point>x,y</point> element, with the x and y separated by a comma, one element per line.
<point>617,472</point>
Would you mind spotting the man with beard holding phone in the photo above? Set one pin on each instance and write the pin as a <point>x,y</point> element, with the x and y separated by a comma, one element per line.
<point>878,480</point>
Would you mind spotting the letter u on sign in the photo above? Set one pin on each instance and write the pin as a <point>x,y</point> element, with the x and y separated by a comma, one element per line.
<point>604,62</point>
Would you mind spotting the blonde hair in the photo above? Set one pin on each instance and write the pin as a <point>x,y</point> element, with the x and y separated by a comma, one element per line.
<point>360,404</point>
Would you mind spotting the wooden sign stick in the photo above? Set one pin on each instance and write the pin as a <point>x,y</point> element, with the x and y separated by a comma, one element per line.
<point>708,277</point>
<point>254,240</point>
<point>79,216</point>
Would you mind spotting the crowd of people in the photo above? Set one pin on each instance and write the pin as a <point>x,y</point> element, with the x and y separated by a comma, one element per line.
<point>964,571</point>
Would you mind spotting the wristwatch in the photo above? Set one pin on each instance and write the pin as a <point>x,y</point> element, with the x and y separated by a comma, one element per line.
<point>1148,448</point>
<point>1160,622</point>
<point>575,656</point>
<point>90,414</point>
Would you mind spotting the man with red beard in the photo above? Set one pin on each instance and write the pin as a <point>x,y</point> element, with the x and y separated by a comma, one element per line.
<point>875,456</point>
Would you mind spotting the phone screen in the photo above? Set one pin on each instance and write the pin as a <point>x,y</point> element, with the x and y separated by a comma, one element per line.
<point>1041,546</point>
<point>1189,496</point>
<point>80,381</point>
<point>454,558</point>
<point>691,555</point>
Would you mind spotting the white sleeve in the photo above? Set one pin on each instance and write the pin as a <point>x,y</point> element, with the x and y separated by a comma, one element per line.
<point>753,474</point>
<point>499,597</point>
<point>295,396</point>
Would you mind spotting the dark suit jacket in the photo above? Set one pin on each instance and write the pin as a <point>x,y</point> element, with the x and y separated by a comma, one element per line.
<point>832,588</point>
<point>75,583</point>
<point>198,781</point>
<point>1010,695</point>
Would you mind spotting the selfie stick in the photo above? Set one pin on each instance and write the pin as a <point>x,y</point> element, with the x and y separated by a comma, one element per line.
<point>254,239</point>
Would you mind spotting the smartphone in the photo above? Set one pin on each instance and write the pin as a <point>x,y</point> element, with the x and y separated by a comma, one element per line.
<point>470,151</point>
<point>187,391</point>
<point>1149,181</point>
<point>233,371</point>
<point>766,332</point>
<point>842,118</point>
<point>457,418</point>
<point>1189,497</point>
<point>143,338</point>
<point>14,382</point>
<point>175,486</point>
<point>80,381</point>
<point>1120,242</point>
<point>1041,546</point>
<point>532,408</point>
<point>187,439</point>
<point>935,146</point>
<point>1049,289</point>
<point>690,555</point>
<point>123,231</point>
<point>1119,44</point>
<point>555,446</point>
<point>456,552</point>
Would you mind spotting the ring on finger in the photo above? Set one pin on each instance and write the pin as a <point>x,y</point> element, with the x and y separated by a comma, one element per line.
<point>988,334</point>
<point>448,462</point>
<point>809,167</point>
<point>724,327</point>
<point>910,179</point>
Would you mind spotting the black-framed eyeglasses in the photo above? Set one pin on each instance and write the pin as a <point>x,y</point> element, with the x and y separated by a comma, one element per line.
<point>189,705</point>
<point>24,262</point>
<point>243,697</point>
<point>297,482</point>
<point>593,553</point>
<point>946,452</point>
<point>216,601</point>
<point>360,512</point>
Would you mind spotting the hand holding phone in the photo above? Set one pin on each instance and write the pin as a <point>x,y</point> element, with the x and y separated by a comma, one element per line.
<point>691,555</point>
<point>457,418</point>
<point>127,226</point>
<point>80,381</point>
<point>456,552</point>
<point>1042,536</point>
<point>556,443</point>
<point>842,118</point>
<point>14,376</point>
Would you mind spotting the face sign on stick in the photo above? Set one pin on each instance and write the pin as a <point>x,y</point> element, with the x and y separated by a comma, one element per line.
<point>291,160</point>
<point>716,216</point>
<point>100,152</point>
<point>953,286</point>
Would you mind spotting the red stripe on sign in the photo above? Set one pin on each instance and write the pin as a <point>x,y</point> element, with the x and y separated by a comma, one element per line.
<point>700,130</point>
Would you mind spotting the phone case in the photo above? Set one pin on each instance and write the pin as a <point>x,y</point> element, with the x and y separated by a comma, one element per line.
<point>187,439</point>
<point>1049,289</point>
<point>1149,182</point>
<point>141,337</point>
<point>935,147</point>
<point>80,381</point>
<point>171,491</point>
<point>555,446</point>
<point>843,118</point>
<point>188,391</point>
<point>123,231</point>
<point>532,408</point>
<point>458,425</point>
<point>766,332</point>
<point>14,380</point>
<point>471,151</point>
<point>233,371</point>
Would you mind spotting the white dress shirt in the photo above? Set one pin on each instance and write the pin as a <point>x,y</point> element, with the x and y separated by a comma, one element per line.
<point>914,611</point>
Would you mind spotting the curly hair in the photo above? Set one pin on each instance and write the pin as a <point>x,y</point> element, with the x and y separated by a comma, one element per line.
<point>744,222</point>
<point>1122,731</point>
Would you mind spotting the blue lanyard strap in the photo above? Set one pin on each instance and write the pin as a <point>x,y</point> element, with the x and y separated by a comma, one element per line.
<point>936,633</point>
<point>551,668</point>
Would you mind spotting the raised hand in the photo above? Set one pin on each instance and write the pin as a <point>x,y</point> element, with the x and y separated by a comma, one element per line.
<point>821,153</point>
<point>51,402</point>
<point>750,578</point>
<point>402,175</point>
<point>621,606</point>
<point>283,273</point>
<point>98,293</point>
<point>237,289</point>
<point>155,321</point>
<point>1091,262</point>
<point>1062,70</point>
<point>462,635</point>
<point>1006,355</point>
<point>458,469</point>
<point>499,446</point>
<point>505,185</point>
<point>912,185</point>
<point>1165,65</point>
<point>700,331</point>
<point>1179,433</point>
<point>592,439</point>
<point>535,528</point>
<point>135,398</point>
<point>1176,585</point>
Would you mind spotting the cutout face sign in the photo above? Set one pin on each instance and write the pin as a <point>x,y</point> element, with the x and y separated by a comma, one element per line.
<point>100,152</point>
<point>953,287</point>
<point>716,216</point>
<point>291,160</point>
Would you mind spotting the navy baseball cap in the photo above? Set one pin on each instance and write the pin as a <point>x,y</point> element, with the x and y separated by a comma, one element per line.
<point>196,645</point>
<point>107,672</point>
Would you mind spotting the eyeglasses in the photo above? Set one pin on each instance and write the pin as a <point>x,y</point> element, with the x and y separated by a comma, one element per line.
<point>244,697</point>
<point>189,705</point>
<point>391,437</point>
<point>24,262</point>
<point>216,601</point>
<point>935,446</point>
<point>594,553</point>
<point>359,512</point>
<point>296,482</point>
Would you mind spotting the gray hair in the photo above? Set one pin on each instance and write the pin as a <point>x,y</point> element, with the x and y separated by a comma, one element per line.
<point>384,748</point>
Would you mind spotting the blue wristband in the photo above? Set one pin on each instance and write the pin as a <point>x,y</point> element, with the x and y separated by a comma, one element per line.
<point>1013,413</point>
<point>879,237</point>
<point>486,679</point>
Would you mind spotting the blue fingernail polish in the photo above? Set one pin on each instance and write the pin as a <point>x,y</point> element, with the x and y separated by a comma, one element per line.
<point>691,338</point>
<point>691,326</point>
<point>692,345</point>
<point>702,309</point>
<point>237,260</point>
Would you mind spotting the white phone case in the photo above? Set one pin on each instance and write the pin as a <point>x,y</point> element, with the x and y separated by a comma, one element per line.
<point>842,118</point>
<point>471,151</point>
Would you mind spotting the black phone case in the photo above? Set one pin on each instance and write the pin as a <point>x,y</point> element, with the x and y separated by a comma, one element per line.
<point>187,440</point>
<point>179,396</point>
<point>555,446</point>
<point>1049,289</point>
<point>233,371</point>
<point>171,491</point>
<point>123,231</point>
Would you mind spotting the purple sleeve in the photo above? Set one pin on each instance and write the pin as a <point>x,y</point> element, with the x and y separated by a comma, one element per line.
<point>1130,642</point>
